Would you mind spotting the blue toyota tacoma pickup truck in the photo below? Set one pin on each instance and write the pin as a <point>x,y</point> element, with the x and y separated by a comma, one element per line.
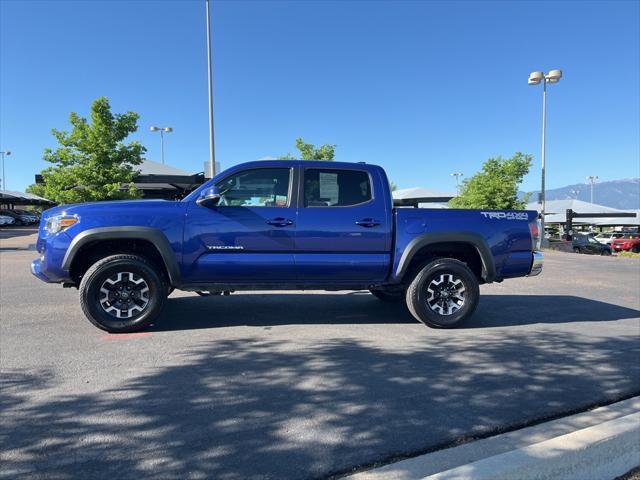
<point>278,225</point>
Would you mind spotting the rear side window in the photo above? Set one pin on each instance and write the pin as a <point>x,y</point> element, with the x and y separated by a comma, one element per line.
<point>336,188</point>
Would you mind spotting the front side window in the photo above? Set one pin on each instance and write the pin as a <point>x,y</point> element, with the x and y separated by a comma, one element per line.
<point>262,187</point>
<point>336,188</point>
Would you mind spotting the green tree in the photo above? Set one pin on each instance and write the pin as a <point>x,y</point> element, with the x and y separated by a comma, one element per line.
<point>308,151</point>
<point>496,185</point>
<point>36,189</point>
<point>92,162</point>
<point>326,152</point>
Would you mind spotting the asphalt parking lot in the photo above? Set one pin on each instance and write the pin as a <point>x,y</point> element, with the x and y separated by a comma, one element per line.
<point>301,385</point>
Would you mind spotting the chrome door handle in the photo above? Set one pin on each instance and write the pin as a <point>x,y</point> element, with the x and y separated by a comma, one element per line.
<point>280,222</point>
<point>368,222</point>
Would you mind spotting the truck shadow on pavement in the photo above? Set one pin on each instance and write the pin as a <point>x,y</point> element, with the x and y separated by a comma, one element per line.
<point>18,238</point>
<point>254,407</point>
<point>13,232</point>
<point>186,313</point>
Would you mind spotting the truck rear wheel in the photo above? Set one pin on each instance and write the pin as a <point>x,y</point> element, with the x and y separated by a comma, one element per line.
<point>444,293</point>
<point>122,293</point>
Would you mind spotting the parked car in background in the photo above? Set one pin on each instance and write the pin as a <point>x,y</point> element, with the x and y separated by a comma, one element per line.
<point>628,243</point>
<point>588,244</point>
<point>20,219</point>
<point>28,213</point>
<point>6,220</point>
<point>607,238</point>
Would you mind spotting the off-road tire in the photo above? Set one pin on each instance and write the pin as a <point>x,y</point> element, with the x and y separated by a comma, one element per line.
<point>107,267</point>
<point>418,294</point>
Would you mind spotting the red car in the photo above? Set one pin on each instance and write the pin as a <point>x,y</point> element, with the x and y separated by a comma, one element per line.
<point>627,243</point>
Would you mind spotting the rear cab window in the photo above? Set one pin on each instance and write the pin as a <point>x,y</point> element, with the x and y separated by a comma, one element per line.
<point>326,187</point>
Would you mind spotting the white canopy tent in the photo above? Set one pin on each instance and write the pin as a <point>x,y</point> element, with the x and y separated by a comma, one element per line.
<point>556,213</point>
<point>157,180</point>
<point>11,197</point>
<point>424,197</point>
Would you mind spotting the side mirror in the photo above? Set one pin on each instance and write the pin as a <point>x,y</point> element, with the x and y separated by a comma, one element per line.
<point>209,197</point>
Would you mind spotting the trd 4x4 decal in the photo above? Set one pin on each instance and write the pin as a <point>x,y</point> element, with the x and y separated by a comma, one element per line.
<point>506,215</point>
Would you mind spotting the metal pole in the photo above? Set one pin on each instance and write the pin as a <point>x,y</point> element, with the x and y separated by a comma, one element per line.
<point>212,152</point>
<point>544,132</point>
<point>162,146</point>
<point>3,184</point>
<point>592,180</point>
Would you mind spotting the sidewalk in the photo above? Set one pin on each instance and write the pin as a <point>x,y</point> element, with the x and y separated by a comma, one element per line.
<point>601,444</point>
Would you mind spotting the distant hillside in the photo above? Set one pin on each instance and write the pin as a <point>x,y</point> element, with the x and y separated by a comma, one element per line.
<point>623,194</point>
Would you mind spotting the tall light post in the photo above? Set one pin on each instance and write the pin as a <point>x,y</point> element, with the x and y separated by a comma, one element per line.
<point>536,78</point>
<point>212,150</point>
<point>4,179</point>
<point>161,130</point>
<point>457,175</point>
<point>592,180</point>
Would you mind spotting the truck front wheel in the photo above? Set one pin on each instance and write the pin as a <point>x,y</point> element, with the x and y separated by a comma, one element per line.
<point>443,293</point>
<point>122,293</point>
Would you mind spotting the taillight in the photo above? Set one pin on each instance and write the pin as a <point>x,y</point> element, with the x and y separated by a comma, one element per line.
<point>535,234</point>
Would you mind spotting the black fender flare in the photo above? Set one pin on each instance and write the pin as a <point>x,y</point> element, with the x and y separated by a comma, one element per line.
<point>473,239</point>
<point>153,235</point>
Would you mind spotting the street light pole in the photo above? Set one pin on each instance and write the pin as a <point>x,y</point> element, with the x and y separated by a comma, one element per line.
<point>161,130</point>
<point>212,151</point>
<point>4,179</point>
<point>162,146</point>
<point>536,78</point>
<point>543,159</point>
<point>592,180</point>
<point>457,175</point>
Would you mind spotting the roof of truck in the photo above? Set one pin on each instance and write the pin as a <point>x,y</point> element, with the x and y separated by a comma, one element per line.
<point>306,163</point>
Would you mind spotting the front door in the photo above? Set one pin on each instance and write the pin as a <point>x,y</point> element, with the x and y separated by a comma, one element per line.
<point>343,234</point>
<point>593,246</point>
<point>249,236</point>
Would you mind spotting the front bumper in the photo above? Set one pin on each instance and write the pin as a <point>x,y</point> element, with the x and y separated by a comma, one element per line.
<point>48,266</point>
<point>36,271</point>
<point>536,264</point>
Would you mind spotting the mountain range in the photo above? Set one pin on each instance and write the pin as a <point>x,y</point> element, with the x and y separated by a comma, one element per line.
<point>622,194</point>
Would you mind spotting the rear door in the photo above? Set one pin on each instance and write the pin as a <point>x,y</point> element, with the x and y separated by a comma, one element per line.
<point>343,232</point>
<point>249,236</point>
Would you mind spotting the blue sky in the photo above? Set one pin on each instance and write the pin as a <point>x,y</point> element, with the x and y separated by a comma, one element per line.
<point>423,88</point>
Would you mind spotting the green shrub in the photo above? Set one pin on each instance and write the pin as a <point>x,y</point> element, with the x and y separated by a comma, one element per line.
<point>629,255</point>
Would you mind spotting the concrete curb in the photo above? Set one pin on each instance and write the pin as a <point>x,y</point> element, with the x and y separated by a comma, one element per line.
<point>602,452</point>
<point>601,444</point>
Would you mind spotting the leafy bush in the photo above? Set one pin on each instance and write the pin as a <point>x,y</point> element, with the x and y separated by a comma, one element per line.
<point>629,255</point>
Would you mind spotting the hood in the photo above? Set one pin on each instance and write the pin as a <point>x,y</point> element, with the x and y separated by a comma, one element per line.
<point>94,207</point>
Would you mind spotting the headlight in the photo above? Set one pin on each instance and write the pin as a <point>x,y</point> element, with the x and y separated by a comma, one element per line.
<point>58,223</point>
